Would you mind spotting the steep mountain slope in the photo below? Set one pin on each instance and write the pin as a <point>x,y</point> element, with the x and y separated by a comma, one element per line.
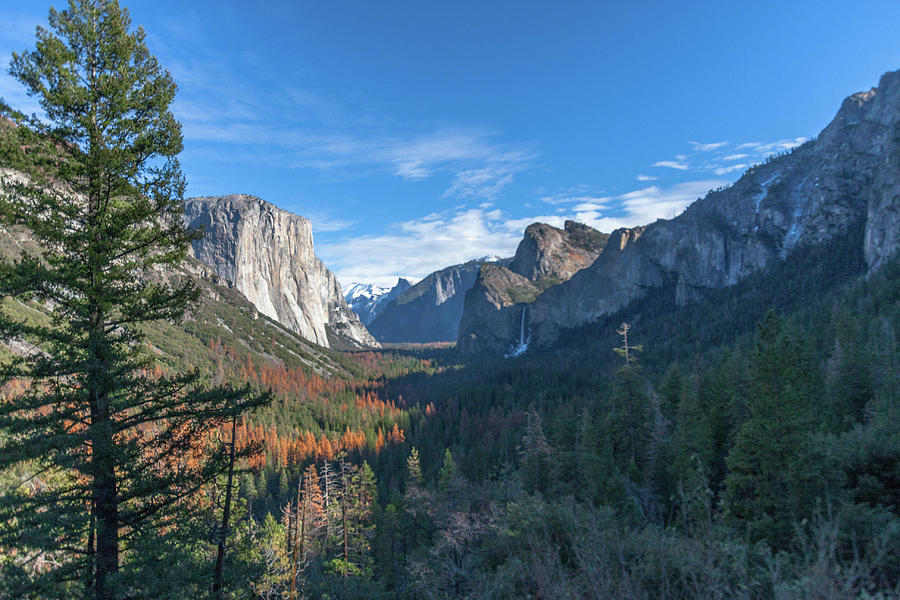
<point>367,300</point>
<point>223,316</point>
<point>495,306</point>
<point>819,191</point>
<point>430,310</point>
<point>267,253</point>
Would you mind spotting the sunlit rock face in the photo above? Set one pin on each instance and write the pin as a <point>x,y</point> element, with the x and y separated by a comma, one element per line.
<point>496,306</point>
<point>267,254</point>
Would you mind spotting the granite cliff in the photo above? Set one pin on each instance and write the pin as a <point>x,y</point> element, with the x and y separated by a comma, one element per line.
<point>428,311</point>
<point>849,175</point>
<point>267,254</point>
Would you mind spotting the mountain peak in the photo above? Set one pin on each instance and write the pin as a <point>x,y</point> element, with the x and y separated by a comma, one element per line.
<point>547,252</point>
<point>368,300</point>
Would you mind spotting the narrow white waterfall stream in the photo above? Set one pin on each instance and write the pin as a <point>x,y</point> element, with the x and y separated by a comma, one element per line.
<point>522,346</point>
<point>522,330</point>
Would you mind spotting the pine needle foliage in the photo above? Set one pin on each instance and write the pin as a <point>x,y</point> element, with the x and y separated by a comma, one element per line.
<point>110,442</point>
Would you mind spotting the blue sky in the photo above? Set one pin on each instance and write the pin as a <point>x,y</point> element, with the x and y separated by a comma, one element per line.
<point>416,134</point>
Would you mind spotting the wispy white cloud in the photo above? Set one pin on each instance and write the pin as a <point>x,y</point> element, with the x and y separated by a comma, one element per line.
<point>718,158</point>
<point>730,168</point>
<point>641,177</point>
<point>269,121</point>
<point>479,165</point>
<point>699,147</point>
<point>672,164</point>
<point>643,206</point>
<point>420,246</point>
<point>324,222</point>
<point>772,147</point>
<point>574,199</point>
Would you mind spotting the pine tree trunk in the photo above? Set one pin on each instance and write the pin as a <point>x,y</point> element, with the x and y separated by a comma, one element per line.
<point>105,497</point>
<point>217,590</point>
<point>345,492</point>
<point>104,490</point>
<point>294,544</point>
<point>89,575</point>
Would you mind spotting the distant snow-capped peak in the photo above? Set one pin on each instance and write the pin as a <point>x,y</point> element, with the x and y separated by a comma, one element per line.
<point>363,290</point>
<point>367,299</point>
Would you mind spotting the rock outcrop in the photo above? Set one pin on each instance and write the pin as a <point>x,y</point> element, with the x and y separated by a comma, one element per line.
<point>549,253</point>
<point>267,254</point>
<point>846,177</point>
<point>430,310</point>
<point>495,307</point>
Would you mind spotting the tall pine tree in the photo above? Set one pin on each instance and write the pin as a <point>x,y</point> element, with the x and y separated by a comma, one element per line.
<point>115,441</point>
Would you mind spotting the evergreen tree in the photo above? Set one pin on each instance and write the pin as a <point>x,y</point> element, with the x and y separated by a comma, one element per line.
<point>447,472</point>
<point>587,467</point>
<point>414,469</point>
<point>693,435</point>
<point>535,453</point>
<point>670,391</point>
<point>627,423</point>
<point>117,440</point>
<point>765,488</point>
<point>850,388</point>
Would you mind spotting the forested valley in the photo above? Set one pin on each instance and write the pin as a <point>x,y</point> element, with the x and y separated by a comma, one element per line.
<point>159,438</point>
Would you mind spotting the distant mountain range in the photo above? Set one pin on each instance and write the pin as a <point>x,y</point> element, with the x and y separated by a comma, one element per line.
<point>367,300</point>
<point>564,278</point>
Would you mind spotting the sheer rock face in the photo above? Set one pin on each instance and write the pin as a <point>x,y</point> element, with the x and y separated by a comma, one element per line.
<point>493,315</point>
<point>493,309</point>
<point>430,310</point>
<point>267,254</point>
<point>818,191</point>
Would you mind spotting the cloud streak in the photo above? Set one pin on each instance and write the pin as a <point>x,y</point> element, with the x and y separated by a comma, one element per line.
<point>718,157</point>
<point>266,121</point>
<point>672,164</point>
<point>420,246</point>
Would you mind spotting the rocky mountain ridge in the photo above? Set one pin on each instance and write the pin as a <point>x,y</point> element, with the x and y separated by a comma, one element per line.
<point>430,310</point>
<point>367,300</point>
<point>433,309</point>
<point>267,254</point>
<point>849,175</point>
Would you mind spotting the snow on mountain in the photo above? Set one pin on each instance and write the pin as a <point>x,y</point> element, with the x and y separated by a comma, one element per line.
<point>368,291</point>
<point>367,299</point>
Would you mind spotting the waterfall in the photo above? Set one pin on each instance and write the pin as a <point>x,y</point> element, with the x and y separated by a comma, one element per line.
<point>522,329</point>
<point>522,346</point>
